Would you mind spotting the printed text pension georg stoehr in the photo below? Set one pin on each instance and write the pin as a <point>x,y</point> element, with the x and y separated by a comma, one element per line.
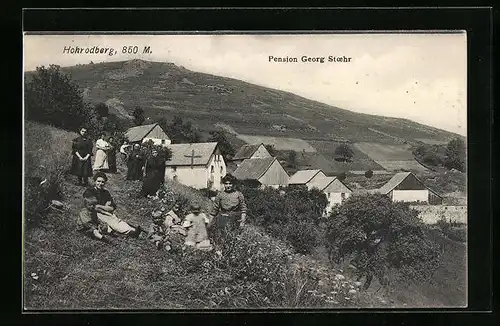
<point>309,59</point>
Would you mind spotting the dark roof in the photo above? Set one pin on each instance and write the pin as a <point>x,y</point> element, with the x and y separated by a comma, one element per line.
<point>181,153</point>
<point>246,151</point>
<point>137,133</point>
<point>253,169</point>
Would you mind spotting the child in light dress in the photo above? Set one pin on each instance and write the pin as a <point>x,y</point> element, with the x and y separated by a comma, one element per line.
<point>196,225</point>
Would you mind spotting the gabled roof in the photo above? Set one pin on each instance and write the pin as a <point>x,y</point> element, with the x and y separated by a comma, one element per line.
<point>246,151</point>
<point>397,179</point>
<point>138,133</point>
<point>393,182</point>
<point>253,168</point>
<point>303,176</point>
<point>321,183</point>
<point>181,153</point>
<point>337,186</point>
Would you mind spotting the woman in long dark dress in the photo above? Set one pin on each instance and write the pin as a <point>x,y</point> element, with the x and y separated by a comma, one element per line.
<point>155,167</point>
<point>111,155</point>
<point>135,163</point>
<point>81,165</point>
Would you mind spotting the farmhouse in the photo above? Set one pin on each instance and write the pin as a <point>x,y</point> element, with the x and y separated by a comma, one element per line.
<point>309,178</point>
<point>198,165</point>
<point>250,151</point>
<point>405,186</point>
<point>267,171</point>
<point>154,132</point>
<point>334,189</point>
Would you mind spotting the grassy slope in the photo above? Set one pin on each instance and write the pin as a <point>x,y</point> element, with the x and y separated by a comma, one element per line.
<point>73,272</point>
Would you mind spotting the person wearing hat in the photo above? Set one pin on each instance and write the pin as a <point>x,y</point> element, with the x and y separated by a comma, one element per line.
<point>158,232</point>
<point>229,209</point>
<point>195,223</point>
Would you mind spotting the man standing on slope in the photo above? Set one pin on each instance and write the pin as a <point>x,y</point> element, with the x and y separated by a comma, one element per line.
<point>229,210</point>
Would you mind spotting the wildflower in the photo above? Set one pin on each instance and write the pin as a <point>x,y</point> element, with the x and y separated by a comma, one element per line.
<point>347,298</point>
<point>357,283</point>
<point>352,291</point>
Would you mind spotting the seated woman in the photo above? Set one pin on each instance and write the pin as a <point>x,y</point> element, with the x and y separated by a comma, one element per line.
<point>106,206</point>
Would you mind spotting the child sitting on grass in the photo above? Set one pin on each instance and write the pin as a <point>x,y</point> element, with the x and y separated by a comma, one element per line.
<point>88,223</point>
<point>196,223</point>
<point>158,232</point>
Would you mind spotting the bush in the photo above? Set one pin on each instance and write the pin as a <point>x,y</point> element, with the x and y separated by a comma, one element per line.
<point>369,174</point>
<point>51,97</point>
<point>381,234</point>
<point>45,167</point>
<point>302,235</point>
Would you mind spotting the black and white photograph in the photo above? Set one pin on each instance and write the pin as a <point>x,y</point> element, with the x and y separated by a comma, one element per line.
<point>209,171</point>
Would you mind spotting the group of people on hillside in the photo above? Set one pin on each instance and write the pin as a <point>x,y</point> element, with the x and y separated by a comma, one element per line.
<point>148,168</point>
<point>98,220</point>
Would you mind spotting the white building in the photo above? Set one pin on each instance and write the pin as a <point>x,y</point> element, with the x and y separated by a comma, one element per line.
<point>267,171</point>
<point>309,178</point>
<point>197,165</point>
<point>144,133</point>
<point>405,186</point>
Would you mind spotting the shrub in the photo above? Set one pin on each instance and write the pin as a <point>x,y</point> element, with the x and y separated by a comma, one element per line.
<point>302,235</point>
<point>45,167</point>
<point>51,97</point>
<point>381,234</point>
<point>369,174</point>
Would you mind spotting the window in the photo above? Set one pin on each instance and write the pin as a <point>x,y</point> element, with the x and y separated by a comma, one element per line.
<point>212,169</point>
<point>221,170</point>
<point>342,195</point>
<point>163,141</point>
<point>174,168</point>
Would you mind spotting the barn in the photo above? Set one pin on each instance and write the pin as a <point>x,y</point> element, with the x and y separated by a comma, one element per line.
<point>309,178</point>
<point>197,165</point>
<point>405,186</point>
<point>267,171</point>
<point>144,133</point>
<point>250,151</point>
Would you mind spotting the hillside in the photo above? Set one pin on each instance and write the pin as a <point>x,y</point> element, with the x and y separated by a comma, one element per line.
<point>249,111</point>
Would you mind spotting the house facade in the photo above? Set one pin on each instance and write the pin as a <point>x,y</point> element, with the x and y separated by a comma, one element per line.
<point>336,192</point>
<point>197,165</point>
<point>250,151</point>
<point>406,187</point>
<point>151,132</point>
<point>267,171</point>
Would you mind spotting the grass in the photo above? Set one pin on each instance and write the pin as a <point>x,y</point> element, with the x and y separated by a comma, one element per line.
<point>64,270</point>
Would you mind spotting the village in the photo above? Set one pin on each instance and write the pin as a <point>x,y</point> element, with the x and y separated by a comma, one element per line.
<point>202,166</point>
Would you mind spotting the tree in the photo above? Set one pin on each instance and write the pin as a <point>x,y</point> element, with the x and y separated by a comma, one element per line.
<point>138,115</point>
<point>102,110</point>
<point>270,148</point>
<point>377,235</point>
<point>369,174</point>
<point>224,145</point>
<point>52,98</point>
<point>455,155</point>
<point>292,159</point>
<point>343,152</point>
<point>183,132</point>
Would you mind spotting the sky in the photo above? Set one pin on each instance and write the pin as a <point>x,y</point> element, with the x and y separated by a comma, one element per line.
<point>417,76</point>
